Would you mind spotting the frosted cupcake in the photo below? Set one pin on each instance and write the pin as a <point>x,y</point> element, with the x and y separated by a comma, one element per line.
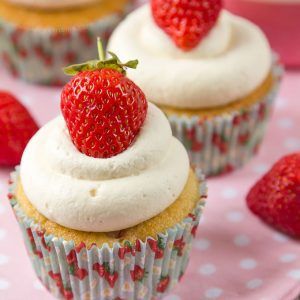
<point>213,77</point>
<point>38,38</point>
<point>108,208</point>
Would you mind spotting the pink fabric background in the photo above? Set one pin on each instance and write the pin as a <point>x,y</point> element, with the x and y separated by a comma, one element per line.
<point>280,21</point>
<point>234,256</point>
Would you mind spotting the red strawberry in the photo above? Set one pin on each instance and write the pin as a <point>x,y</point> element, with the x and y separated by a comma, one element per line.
<point>157,247</point>
<point>16,129</point>
<point>103,109</point>
<point>138,246</point>
<point>100,269</point>
<point>186,22</point>
<point>80,273</point>
<point>179,246</point>
<point>71,257</point>
<point>80,247</point>
<point>111,278</point>
<point>126,249</point>
<point>68,294</point>
<point>276,196</point>
<point>194,230</point>
<point>244,138</point>
<point>138,273</point>
<point>163,284</point>
<point>197,146</point>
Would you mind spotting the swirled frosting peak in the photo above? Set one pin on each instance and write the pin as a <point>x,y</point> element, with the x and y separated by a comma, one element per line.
<point>102,195</point>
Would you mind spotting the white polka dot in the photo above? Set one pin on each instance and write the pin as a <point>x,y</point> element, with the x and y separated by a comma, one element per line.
<point>260,168</point>
<point>234,216</point>
<point>292,143</point>
<point>279,237</point>
<point>2,209</point>
<point>4,284</point>
<point>2,234</point>
<point>254,283</point>
<point>229,193</point>
<point>285,123</point>
<point>213,293</point>
<point>202,244</point>
<point>281,103</point>
<point>248,264</point>
<point>295,274</point>
<point>172,297</point>
<point>288,257</point>
<point>26,99</point>
<point>241,240</point>
<point>38,285</point>
<point>3,259</point>
<point>207,269</point>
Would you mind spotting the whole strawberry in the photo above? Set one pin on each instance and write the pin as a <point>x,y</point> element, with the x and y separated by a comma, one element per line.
<point>187,22</point>
<point>16,129</point>
<point>276,197</point>
<point>103,109</point>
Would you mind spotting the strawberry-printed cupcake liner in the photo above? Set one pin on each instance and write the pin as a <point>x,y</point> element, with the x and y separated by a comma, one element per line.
<point>38,55</point>
<point>143,270</point>
<point>223,143</point>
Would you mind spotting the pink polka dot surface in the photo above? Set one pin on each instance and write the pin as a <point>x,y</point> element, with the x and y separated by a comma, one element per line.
<point>234,256</point>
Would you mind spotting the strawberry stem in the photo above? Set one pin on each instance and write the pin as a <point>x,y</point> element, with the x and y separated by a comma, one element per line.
<point>101,51</point>
<point>102,63</point>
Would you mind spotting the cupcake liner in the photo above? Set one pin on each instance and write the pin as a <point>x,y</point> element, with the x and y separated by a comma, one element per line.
<point>223,143</point>
<point>38,55</point>
<point>142,270</point>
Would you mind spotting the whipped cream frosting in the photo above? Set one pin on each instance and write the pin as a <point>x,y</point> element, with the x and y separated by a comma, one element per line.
<point>102,195</point>
<point>52,4</point>
<point>228,64</point>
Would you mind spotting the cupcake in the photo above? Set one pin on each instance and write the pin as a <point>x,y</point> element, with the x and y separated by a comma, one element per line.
<point>213,75</point>
<point>280,20</point>
<point>108,208</point>
<point>38,38</point>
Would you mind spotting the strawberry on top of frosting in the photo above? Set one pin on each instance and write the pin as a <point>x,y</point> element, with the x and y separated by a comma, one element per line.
<point>103,109</point>
<point>187,22</point>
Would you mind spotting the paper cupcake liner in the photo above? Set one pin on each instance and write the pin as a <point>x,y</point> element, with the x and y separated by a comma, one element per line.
<point>226,142</point>
<point>143,270</point>
<point>38,55</point>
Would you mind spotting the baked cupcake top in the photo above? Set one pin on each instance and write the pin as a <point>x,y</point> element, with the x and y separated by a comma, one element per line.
<point>112,163</point>
<point>230,60</point>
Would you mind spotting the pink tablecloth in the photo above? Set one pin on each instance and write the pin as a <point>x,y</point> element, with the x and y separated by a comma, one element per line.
<point>234,256</point>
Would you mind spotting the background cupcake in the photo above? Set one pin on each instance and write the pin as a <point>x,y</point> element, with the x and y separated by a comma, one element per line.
<point>216,80</point>
<point>38,38</point>
<point>122,205</point>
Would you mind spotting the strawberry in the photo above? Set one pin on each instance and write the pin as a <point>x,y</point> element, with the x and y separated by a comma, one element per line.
<point>179,246</point>
<point>71,257</point>
<point>100,269</point>
<point>16,129</point>
<point>138,246</point>
<point>157,247</point>
<point>68,294</point>
<point>111,278</point>
<point>103,109</point>
<point>137,274</point>
<point>163,284</point>
<point>126,249</point>
<point>275,198</point>
<point>187,22</point>
<point>80,273</point>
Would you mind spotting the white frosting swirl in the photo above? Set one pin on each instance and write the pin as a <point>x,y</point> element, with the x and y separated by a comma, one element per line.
<point>101,195</point>
<point>52,4</point>
<point>228,64</point>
